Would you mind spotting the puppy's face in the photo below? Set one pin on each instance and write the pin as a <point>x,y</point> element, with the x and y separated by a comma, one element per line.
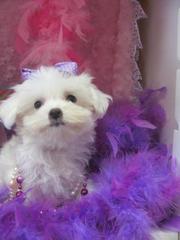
<point>51,101</point>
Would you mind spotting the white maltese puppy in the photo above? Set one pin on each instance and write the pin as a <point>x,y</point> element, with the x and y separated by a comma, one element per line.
<point>55,115</point>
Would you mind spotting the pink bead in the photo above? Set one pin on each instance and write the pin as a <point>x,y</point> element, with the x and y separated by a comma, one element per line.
<point>19,193</point>
<point>19,179</point>
<point>84,191</point>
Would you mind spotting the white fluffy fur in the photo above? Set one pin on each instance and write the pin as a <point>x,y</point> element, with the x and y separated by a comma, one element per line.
<point>52,159</point>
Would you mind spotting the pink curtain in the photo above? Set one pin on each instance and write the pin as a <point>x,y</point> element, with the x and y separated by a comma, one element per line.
<point>101,35</point>
<point>114,45</point>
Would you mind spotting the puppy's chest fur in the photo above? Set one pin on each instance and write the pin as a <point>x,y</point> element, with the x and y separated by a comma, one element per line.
<point>46,171</point>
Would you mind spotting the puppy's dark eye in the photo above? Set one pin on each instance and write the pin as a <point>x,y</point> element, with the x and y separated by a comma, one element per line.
<point>38,104</point>
<point>71,98</point>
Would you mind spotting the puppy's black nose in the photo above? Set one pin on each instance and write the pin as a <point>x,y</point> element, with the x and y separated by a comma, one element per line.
<point>55,113</point>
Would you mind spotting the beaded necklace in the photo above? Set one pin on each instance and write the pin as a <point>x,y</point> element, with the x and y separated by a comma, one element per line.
<point>16,186</point>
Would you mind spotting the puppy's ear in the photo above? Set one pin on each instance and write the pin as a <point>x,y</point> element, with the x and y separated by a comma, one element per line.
<point>8,111</point>
<point>100,101</point>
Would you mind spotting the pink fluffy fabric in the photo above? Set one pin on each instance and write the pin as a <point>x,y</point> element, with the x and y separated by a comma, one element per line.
<point>101,37</point>
<point>48,30</point>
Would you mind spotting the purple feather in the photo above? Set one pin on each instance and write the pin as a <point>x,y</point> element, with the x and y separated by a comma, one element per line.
<point>136,188</point>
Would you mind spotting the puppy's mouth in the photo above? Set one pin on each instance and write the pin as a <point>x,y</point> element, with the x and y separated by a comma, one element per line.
<point>56,123</point>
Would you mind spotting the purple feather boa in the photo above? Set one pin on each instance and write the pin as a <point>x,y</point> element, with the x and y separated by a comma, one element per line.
<point>136,184</point>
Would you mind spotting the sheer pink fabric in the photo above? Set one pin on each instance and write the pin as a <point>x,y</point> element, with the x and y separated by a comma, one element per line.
<point>114,45</point>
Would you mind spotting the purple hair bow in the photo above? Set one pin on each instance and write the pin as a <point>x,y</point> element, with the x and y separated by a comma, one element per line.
<point>69,67</point>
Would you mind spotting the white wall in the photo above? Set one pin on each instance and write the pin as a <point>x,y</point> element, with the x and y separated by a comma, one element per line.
<point>161,55</point>
<point>161,66</point>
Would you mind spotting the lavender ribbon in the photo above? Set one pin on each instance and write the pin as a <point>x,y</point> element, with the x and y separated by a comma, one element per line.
<point>69,67</point>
